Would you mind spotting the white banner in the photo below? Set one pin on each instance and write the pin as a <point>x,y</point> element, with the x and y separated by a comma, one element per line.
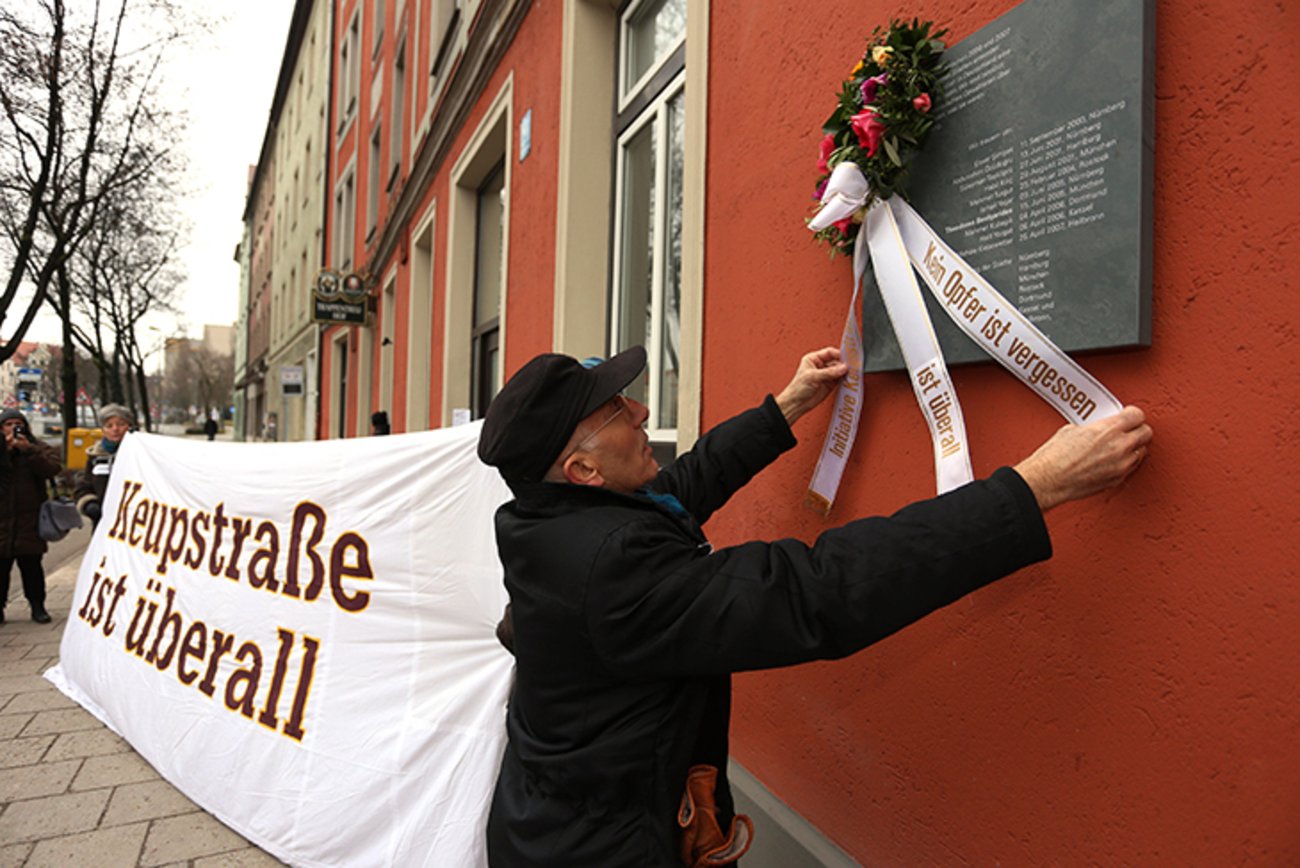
<point>300,637</point>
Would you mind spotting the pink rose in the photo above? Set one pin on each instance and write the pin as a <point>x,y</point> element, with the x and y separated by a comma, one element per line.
<point>870,130</point>
<point>827,148</point>
<point>871,85</point>
<point>922,103</point>
<point>845,226</point>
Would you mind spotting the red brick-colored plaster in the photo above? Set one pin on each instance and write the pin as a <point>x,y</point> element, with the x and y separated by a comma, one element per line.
<point>1134,700</point>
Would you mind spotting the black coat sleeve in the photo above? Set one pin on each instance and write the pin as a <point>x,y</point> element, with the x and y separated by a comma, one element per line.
<point>666,610</point>
<point>725,459</point>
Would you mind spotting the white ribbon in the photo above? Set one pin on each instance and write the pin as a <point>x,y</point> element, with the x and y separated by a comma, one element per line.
<point>899,240</point>
<point>848,397</point>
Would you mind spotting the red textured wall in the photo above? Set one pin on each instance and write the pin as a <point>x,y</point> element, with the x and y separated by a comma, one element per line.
<point>1134,700</point>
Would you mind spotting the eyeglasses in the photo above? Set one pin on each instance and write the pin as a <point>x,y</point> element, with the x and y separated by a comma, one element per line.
<point>622,406</point>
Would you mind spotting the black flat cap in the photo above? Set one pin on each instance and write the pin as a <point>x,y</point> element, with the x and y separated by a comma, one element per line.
<point>534,414</point>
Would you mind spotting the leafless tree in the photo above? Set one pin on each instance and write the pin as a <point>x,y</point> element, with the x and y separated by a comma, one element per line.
<point>81,123</point>
<point>124,271</point>
<point>200,378</point>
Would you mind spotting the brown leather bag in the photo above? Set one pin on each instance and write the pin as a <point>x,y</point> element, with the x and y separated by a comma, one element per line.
<point>702,840</point>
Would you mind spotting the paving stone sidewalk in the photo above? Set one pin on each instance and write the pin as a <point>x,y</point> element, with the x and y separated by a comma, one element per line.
<point>71,792</point>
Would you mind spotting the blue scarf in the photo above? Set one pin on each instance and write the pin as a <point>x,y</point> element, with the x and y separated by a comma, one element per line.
<point>667,501</point>
<point>109,446</point>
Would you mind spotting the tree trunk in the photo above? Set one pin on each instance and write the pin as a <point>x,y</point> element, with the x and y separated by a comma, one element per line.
<point>69,372</point>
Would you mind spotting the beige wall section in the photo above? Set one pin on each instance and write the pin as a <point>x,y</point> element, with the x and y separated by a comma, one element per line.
<point>300,190</point>
<point>489,144</point>
<point>693,222</point>
<point>419,323</point>
<point>582,242</point>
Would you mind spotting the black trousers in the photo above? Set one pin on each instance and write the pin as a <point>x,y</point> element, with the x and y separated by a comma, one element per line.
<point>33,578</point>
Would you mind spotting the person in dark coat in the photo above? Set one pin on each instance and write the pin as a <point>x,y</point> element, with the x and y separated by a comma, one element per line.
<point>626,624</point>
<point>210,428</point>
<point>115,420</point>
<point>25,466</point>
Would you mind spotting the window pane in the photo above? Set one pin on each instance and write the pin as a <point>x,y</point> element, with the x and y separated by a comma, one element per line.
<point>637,241</point>
<point>655,28</point>
<point>487,265</point>
<point>670,329</point>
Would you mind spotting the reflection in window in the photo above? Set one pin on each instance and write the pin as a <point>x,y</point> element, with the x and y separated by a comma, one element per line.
<point>648,278</point>
<point>652,29</point>
<point>486,332</point>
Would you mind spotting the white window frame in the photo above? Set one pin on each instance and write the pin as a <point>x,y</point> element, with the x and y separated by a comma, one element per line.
<point>396,134</point>
<point>349,73</point>
<point>627,91</point>
<point>345,217</point>
<point>377,25</point>
<point>374,156</point>
<point>655,113</point>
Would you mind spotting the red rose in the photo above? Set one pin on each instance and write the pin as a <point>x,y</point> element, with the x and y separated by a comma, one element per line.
<point>827,147</point>
<point>922,103</point>
<point>870,130</point>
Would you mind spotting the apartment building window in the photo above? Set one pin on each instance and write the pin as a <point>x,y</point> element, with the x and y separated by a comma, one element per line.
<point>651,31</point>
<point>443,24</point>
<point>345,219</point>
<point>485,337</point>
<point>646,303</point>
<point>349,73</point>
<point>372,182</point>
<point>378,27</point>
<point>397,135</point>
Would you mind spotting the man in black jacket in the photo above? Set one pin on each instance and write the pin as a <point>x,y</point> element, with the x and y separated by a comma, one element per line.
<point>626,625</point>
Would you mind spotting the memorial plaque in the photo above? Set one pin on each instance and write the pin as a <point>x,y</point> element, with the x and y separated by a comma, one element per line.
<point>1039,173</point>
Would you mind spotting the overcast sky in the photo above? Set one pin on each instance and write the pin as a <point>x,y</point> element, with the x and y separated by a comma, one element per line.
<point>227,82</point>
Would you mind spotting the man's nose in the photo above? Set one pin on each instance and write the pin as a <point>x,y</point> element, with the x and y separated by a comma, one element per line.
<point>640,412</point>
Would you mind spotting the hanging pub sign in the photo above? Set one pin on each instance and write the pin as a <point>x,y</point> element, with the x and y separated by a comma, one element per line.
<point>339,298</point>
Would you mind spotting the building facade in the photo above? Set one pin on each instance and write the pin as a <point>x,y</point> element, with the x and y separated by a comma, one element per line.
<point>299,117</point>
<point>512,177</point>
<point>259,217</point>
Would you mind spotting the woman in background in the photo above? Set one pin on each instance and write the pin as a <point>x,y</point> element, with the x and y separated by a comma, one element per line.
<point>115,420</point>
<point>25,465</point>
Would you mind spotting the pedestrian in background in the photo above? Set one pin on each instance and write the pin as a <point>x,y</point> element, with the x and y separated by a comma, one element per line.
<point>115,420</point>
<point>210,428</point>
<point>379,423</point>
<point>25,465</point>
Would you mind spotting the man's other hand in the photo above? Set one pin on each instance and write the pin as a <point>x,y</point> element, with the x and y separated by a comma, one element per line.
<point>814,379</point>
<point>1082,460</point>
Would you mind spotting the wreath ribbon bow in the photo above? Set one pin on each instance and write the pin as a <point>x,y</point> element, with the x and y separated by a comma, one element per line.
<point>846,191</point>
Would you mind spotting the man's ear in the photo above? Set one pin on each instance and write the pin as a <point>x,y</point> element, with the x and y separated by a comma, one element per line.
<point>579,469</point>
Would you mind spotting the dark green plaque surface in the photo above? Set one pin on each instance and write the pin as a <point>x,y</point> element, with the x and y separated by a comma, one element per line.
<point>1039,174</point>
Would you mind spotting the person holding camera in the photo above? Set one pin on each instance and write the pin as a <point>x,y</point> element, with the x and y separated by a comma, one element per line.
<point>25,465</point>
<point>114,420</point>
